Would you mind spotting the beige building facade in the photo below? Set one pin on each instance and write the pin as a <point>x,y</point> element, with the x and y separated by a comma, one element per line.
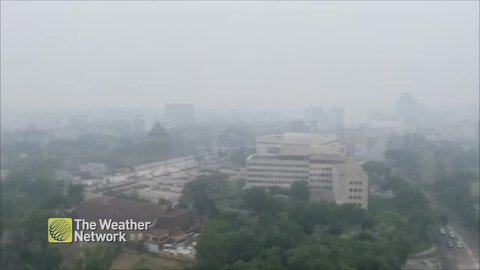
<point>281,160</point>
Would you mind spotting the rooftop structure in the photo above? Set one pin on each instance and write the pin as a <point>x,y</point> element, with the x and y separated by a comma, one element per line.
<point>298,144</point>
<point>166,224</point>
<point>157,131</point>
<point>119,210</point>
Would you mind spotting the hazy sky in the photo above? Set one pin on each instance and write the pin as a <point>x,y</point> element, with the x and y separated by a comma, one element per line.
<point>237,54</point>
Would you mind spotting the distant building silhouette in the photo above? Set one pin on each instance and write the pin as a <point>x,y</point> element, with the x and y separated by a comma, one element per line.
<point>157,131</point>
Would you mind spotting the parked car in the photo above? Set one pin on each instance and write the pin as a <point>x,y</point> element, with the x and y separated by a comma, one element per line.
<point>442,231</point>
<point>451,235</point>
<point>459,244</point>
<point>450,244</point>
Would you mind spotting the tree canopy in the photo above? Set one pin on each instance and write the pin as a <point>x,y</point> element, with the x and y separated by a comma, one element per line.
<point>28,199</point>
<point>294,233</point>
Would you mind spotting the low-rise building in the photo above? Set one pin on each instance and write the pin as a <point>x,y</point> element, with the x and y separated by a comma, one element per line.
<point>167,225</point>
<point>92,169</point>
<point>173,226</point>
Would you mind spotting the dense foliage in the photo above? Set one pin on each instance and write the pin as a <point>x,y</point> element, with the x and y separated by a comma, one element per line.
<point>448,168</point>
<point>98,256</point>
<point>28,199</point>
<point>210,191</point>
<point>278,230</point>
<point>455,190</point>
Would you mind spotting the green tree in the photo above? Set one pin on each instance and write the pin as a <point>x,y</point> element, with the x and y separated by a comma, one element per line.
<point>300,191</point>
<point>408,198</point>
<point>281,232</point>
<point>98,256</point>
<point>75,193</point>
<point>255,199</point>
<point>28,198</point>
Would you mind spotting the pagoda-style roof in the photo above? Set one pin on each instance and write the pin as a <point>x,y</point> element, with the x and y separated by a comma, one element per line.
<point>157,131</point>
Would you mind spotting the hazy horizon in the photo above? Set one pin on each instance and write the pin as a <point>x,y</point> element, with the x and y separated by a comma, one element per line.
<point>237,55</point>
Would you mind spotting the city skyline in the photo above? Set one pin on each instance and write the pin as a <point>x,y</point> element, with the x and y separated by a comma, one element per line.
<point>186,52</point>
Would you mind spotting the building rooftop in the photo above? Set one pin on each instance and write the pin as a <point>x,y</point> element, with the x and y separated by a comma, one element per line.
<point>296,138</point>
<point>181,218</point>
<point>157,131</point>
<point>119,210</point>
<point>313,158</point>
<point>298,144</point>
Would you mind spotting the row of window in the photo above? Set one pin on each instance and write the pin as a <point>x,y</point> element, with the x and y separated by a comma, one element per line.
<point>278,176</point>
<point>321,174</point>
<point>278,165</point>
<point>321,187</point>
<point>355,190</point>
<point>287,171</point>
<point>286,183</point>
<point>290,171</point>
<point>355,197</point>
<point>321,181</point>
<point>355,182</point>
<point>251,164</point>
<point>321,169</point>
<point>270,182</point>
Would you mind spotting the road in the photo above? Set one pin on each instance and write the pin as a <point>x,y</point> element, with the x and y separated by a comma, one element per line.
<point>466,258</point>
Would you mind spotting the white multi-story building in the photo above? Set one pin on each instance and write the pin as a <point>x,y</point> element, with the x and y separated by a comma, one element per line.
<point>320,160</point>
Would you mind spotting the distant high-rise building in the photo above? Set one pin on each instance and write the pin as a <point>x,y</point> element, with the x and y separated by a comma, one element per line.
<point>336,123</point>
<point>299,126</point>
<point>179,114</point>
<point>408,110</point>
<point>335,117</point>
<point>314,114</point>
<point>356,139</point>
